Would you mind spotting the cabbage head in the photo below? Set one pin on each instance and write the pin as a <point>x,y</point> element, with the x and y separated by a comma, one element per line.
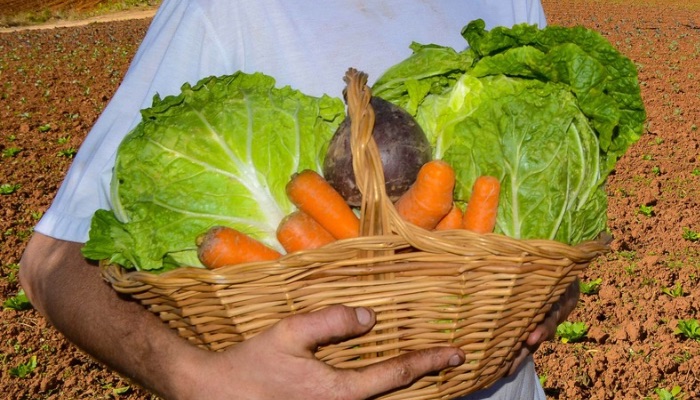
<point>219,153</point>
<point>547,111</point>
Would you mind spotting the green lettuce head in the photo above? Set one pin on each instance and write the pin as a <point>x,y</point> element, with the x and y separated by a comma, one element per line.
<point>219,153</point>
<point>547,111</point>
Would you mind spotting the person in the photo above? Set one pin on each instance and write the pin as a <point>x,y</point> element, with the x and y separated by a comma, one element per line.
<point>309,46</point>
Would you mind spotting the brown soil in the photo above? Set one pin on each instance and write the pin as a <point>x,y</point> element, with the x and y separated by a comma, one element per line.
<point>38,14</point>
<point>10,7</point>
<point>127,15</point>
<point>56,82</point>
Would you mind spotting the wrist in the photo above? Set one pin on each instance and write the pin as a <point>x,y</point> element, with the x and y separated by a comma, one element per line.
<point>185,373</point>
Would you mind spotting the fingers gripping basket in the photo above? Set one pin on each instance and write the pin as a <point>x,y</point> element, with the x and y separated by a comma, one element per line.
<point>483,293</point>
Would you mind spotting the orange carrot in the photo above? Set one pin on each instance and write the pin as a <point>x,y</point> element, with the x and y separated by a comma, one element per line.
<point>453,219</point>
<point>480,215</point>
<point>429,198</point>
<point>316,197</point>
<point>222,245</point>
<point>298,231</point>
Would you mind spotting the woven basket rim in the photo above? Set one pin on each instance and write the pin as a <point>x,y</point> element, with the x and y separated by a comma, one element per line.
<point>484,245</point>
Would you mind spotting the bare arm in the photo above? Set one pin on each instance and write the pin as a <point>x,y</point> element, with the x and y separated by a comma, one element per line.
<point>278,363</point>
<point>70,293</point>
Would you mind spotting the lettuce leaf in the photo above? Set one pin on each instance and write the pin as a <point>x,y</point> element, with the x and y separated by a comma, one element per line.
<point>548,111</point>
<point>219,153</point>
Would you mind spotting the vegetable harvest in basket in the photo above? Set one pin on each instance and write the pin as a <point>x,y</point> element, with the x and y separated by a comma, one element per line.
<point>546,112</point>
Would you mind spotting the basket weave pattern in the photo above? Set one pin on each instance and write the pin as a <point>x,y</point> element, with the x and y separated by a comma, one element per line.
<point>482,293</point>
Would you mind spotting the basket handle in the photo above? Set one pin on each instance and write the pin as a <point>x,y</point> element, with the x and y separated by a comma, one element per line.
<point>366,159</point>
<point>378,216</point>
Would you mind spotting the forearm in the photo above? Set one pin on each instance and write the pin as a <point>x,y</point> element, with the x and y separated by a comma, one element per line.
<point>120,333</point>
<point>279,363</point>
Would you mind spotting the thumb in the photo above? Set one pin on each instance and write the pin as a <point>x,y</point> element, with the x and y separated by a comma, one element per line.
<point>334,324</point>
<point>302,334</point>
<point>401,371</point>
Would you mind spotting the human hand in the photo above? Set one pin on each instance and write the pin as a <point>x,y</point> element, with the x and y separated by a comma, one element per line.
<point>548,327</point>
<point>279,363</point>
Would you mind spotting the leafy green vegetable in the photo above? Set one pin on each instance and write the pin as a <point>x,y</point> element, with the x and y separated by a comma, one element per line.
<point>569,331</point>
<point>590,287</point>
<point>18,302</point>
<point>548,111</point>
<point>24,369</point>
<point>689,328</point>
<point>219,153</point>
<point>676,393</point>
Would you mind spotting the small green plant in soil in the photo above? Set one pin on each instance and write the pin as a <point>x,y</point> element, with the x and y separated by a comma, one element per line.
<point>647,211</point>
<point>683,357</point>
<point>569,331</point>
<point>590,287</point>
<point>10,272</point>
<point>674,394</point>
<point>18,302</point>
<point>23,370</point>
<point>675,291</point>
<point>9,188</point>
<point>117,391</point>
<point>690,328</point>
<point>689,234</point>
<point>10,152</point>
<point>68,153</point>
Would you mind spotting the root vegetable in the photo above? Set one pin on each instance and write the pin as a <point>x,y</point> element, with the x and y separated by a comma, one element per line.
<point>429,199</point>
<point>316,197</point>
<point>403,148</point>
<point>298,231</point>
<point>221,246</point>
<point>480,214</point>
<point>453,219</point>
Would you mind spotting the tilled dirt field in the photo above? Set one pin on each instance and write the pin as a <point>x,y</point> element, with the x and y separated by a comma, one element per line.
<point>54,83</point>
<point>9,7</point>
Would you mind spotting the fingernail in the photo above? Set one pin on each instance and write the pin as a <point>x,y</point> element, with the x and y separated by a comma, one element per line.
<point>455,360</point>
<point>363,315</point>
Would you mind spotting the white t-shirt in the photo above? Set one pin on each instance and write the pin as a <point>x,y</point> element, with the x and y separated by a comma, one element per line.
<point>308,45</point>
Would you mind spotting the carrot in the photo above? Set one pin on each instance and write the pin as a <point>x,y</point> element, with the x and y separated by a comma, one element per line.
<point>429,198</point>
<point>480,215</point>
<point>298,231</point>
<point>316,197</point>
<point>222,245</point>
<point>453,219</point>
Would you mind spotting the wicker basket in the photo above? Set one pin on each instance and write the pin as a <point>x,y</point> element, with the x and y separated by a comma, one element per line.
<point>483,293</point>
